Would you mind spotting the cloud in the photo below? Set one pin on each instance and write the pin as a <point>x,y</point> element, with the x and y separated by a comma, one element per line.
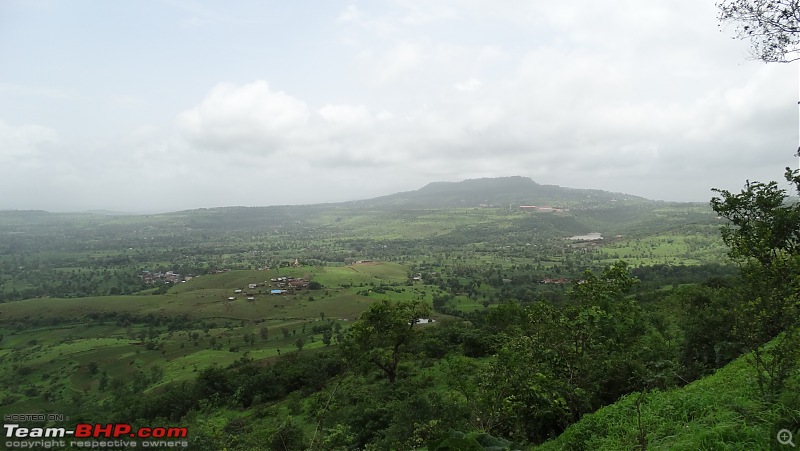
<point>251,117</point>
<point>542,120</point>
<point>582,100</point>
<point>642,97</point>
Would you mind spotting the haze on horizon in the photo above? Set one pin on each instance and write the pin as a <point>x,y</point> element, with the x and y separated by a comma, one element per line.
<point>179,104</point>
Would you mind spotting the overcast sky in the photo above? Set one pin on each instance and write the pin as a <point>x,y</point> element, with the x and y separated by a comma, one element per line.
<point>178,104</point>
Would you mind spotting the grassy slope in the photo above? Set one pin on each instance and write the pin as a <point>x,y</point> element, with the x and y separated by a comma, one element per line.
<point>721,411</point>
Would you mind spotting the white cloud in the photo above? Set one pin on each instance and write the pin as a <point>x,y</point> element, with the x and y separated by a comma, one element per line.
<point>251,118</point>
<point>643,97</point>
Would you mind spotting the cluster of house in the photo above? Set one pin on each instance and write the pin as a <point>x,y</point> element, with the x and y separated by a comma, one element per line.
<point>293,283</point>
<point>169,276</point>
<point>543,209</point>
<point>284,284</point>
<point>249,293</point>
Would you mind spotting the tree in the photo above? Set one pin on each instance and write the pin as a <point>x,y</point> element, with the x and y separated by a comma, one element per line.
<point>558,363</point>
<point>772,26</point>
<point>763,235</point>
<point>763,225</point>
<point>102,382</point>
<point>299,343</point>
<point>288,437</point>
<point>382,334</point>
<point>707,320</point>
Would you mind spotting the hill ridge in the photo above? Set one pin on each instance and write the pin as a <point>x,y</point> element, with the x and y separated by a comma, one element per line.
<point>495,191</point>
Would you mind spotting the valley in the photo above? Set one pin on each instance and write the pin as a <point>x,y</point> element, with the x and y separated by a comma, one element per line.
<point>101,308</point>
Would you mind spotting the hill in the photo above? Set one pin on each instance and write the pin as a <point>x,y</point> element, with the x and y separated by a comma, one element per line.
<point>499,191</point>
<point>721,411</point>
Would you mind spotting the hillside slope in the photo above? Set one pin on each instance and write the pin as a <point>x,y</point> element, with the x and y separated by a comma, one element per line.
<point>720,411</point>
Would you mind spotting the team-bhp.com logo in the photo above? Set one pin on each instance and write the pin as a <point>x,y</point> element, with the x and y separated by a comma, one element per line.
<point>121,433</point>
<point>86,430</point>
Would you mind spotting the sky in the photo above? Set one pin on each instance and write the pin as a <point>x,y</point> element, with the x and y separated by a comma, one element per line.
<point>164,105</point>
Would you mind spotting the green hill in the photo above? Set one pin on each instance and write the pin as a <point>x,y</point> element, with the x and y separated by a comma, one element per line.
<point>499,191</point>
<point>721,411</point>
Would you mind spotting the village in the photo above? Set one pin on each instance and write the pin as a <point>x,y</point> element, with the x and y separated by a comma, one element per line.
<point>166,277</point>
<point>277,286</point>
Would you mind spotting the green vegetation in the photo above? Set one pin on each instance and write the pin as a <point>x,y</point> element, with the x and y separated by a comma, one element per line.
<point>371,326</point>
<point>721,411</point>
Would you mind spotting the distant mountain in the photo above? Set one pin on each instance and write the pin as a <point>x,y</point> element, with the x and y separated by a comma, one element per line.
<point>109,213</point>
<point>489,192</point>
<point>500,191</point>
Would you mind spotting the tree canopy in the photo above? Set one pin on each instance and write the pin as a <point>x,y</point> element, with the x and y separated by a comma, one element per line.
<point>382,333</point>
<point>763,235</point>
<point>772,26</point>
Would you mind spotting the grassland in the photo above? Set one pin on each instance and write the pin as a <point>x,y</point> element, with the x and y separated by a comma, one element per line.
<point>669,249</point>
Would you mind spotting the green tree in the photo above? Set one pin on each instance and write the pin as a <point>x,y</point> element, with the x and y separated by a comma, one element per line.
<point>763,235</point>
<point>102,382</point>
<point>380,337</point>
<point>556,364</point>
<point>707,319</point>
<point>763,225</point>
<point>287,437</point>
